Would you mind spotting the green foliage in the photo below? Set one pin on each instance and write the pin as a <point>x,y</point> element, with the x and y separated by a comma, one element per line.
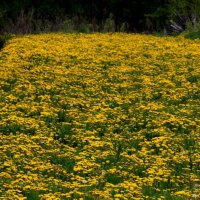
<point>105,16</point>
<point>193,35</point>
<point>109,25</point>
<point>192,30</point>
<point>4,39</point>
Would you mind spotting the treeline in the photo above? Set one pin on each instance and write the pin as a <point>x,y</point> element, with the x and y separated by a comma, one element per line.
<point>29,16</point>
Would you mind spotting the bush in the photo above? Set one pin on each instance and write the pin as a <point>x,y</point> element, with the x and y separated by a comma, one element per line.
<point>192,30</point>
<point>4,39</point>
<point>109,24</point>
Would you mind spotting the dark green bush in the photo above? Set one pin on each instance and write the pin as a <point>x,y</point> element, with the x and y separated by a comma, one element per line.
<point>4,39</point>
<point>193,35</point>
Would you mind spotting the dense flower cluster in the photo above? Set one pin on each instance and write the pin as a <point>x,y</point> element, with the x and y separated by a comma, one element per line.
<point>100,116</point>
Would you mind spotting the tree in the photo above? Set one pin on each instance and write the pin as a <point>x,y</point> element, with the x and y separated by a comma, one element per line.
<point>140,15</point>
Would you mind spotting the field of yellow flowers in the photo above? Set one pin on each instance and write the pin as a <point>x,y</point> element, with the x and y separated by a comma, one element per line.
<point>99,116</point>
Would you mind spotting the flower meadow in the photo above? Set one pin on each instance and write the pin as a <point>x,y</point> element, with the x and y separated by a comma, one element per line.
<point>99,116</point>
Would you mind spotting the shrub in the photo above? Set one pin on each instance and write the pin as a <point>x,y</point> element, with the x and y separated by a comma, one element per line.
<point>4,39</point>
<point>192,30</point>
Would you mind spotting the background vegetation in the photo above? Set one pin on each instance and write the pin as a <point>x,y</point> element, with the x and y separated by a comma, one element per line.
<point>28,16</point>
